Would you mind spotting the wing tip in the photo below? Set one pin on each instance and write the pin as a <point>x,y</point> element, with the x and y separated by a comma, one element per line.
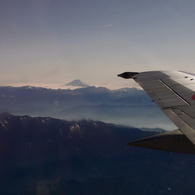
<point>128,75</point>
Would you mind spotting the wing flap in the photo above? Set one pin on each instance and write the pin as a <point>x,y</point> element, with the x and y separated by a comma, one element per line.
<point>185,122</point>
<point>162,94</point>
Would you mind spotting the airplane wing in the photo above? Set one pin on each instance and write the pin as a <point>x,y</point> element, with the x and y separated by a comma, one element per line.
<point>174,92</point>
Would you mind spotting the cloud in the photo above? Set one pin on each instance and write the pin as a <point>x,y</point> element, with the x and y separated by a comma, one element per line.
<point>107,25</point>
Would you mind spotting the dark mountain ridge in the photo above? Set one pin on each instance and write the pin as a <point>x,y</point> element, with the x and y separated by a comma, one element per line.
<point>43,155</point>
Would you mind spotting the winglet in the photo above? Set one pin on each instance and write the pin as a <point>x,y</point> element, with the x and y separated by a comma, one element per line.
<point>128,75</point>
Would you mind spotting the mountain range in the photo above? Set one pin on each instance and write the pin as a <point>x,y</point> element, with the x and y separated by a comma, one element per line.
<point>44,155</point>
<point>129,106</point>
<point>40,154</point>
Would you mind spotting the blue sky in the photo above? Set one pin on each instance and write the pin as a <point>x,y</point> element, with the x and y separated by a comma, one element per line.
<point>56,41</point>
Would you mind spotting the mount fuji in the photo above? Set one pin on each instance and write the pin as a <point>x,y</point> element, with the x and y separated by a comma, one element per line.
<point>77,83</point>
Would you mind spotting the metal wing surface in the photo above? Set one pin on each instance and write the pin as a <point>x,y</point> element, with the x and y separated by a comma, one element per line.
<point>174,92</point>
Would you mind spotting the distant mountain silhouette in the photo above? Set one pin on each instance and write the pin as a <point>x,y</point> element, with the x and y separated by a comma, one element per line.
<point>51,156</point>
<point>77,83</point>
<point>129,106</point>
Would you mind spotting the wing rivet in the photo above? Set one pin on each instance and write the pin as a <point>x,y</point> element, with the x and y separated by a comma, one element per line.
<point>193,97</point>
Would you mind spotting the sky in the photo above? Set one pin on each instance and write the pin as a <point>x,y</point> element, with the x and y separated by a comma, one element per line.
<point>52,42</point>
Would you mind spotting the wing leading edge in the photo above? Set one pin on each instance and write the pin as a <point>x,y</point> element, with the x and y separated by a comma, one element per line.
<point>174,92</point>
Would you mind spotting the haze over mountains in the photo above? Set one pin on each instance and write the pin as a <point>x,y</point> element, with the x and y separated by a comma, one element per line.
<point>128,106</point>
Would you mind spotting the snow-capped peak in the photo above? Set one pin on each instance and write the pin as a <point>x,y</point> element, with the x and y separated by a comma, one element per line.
<point>77,83</point>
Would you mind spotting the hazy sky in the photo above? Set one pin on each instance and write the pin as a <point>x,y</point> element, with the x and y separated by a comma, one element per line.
<point>56,41</point>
